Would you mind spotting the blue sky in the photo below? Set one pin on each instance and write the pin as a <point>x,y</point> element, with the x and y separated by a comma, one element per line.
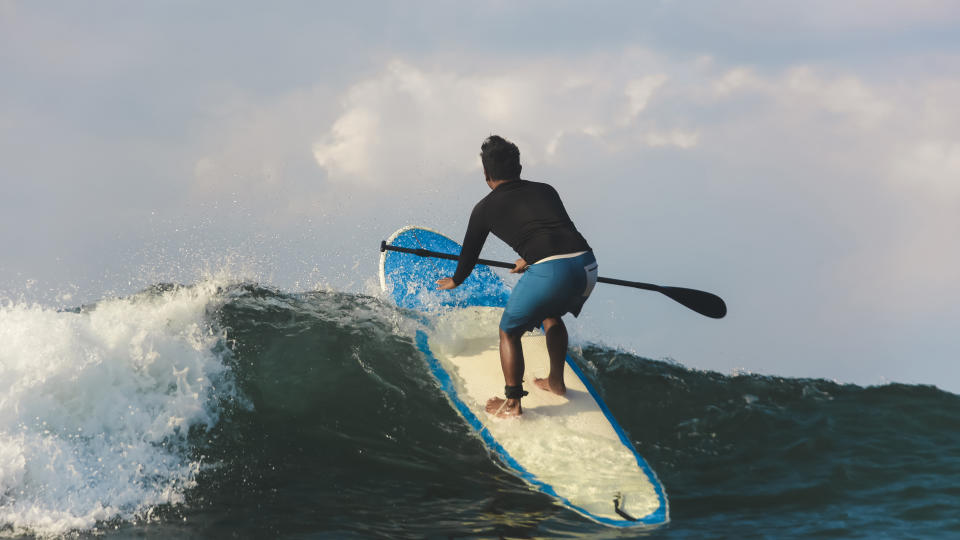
<point>801,160</point>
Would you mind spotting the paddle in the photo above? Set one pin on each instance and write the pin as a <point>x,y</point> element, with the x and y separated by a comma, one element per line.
<point>702,302</point>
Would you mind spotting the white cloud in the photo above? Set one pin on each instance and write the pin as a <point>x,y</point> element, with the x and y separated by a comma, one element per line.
<point>804,88</point>
<point>678,138</point>
<point>840,95</point>
<point>934,163</point>
<point>880,163</point>
<point>424,124</point>
<point>639,92</point>
<point>352,136</point>
<point>736,79</point>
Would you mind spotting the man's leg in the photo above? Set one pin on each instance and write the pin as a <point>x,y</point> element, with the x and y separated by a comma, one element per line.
<point>511,361</point>
<point>556,333</point>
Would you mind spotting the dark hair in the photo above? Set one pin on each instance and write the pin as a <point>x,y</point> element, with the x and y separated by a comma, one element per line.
<point>501,158</point>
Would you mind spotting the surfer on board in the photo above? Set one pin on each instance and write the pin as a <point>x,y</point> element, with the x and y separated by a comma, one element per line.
<point>530,218</point>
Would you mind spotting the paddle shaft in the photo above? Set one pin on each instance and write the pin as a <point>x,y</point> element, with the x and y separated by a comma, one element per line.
<point>436,254</point>
<point>705,303</point>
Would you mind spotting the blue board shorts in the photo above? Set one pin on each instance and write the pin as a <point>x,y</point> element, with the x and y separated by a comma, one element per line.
<point>549,289</point>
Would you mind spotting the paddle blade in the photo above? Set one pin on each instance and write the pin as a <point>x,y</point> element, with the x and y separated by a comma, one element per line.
<point>702,302</point>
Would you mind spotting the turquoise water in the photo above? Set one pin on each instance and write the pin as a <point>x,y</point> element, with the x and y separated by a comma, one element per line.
<point>322,421</point>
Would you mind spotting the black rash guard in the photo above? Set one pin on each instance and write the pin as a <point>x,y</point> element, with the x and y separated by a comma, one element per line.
<point>528,216</point>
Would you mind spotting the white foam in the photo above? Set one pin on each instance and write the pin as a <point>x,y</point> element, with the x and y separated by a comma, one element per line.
<point>95,407</point>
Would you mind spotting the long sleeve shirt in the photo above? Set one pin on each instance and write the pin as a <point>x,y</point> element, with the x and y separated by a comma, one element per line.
<point>527,216</point>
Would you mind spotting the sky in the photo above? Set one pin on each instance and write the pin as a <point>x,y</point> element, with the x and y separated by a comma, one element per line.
<point>801,160</point>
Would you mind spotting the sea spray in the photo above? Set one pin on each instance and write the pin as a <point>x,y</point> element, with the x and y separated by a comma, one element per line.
<point>97,404</point>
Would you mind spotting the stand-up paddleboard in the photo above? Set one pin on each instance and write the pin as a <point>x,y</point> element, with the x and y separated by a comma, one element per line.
<point>569,447</point>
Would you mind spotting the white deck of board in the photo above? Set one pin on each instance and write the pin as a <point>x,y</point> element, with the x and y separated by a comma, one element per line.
<point>563,441</point>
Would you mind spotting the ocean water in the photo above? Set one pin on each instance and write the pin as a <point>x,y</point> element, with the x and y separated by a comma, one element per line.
<point>233,410</point>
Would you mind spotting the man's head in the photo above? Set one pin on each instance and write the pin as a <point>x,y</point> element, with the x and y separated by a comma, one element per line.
<point>501,159</point>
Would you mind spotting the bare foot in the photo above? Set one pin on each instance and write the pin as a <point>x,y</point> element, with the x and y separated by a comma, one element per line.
<point>549,385</point>
<point>504,408</point>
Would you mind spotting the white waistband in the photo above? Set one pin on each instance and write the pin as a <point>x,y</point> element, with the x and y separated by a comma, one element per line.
<point>561,256</point>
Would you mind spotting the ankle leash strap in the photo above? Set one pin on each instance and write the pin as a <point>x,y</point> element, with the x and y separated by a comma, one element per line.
<point>514,392</point>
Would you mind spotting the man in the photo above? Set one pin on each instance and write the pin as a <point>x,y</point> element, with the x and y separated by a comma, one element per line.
<point>530,218</point>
